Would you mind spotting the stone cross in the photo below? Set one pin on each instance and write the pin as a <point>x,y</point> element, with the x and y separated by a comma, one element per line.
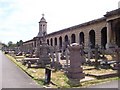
<point>96,56</point>
<point>89,52</point>
<point>67,56</point>
<point>52,54</point>
<point>43,15</point>
<point>57,54</point>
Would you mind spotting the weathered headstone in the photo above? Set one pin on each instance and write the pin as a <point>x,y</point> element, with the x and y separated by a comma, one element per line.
<point>82,53</point>
<point>75,71</point>
<point>89,54</point>
<point>44,58</point>
<point>117,59</point>
<point>96,56</point>
<point>55,63</point>
<point>57,54</point>
<point>52,54</point>
<point>37,49</point>
<point>67,56</point>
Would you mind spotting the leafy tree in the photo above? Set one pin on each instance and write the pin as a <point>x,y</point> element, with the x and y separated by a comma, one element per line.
<point>19,43</point>
<point>10,43</point>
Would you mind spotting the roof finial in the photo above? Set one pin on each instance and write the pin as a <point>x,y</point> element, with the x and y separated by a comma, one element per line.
<point>43,15</point>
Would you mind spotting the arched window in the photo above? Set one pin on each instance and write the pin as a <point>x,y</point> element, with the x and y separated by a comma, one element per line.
<point>81,37</point>
<point>60,42</point>
<point>55,40</point>
<point>92,38</point>
<point>51,41</point>
<point>48,41</point>
<point>103,37</point>
<point>66,38</point>
<point>73,38</point>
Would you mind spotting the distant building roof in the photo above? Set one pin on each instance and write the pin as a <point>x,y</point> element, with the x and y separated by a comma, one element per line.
<point>114,12</point>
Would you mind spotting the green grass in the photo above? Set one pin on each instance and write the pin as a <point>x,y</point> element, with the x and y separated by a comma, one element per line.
<point>58,78</point>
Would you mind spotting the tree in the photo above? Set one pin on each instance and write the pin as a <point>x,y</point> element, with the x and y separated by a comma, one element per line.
<point>19,43</point>
<point>10,43</point>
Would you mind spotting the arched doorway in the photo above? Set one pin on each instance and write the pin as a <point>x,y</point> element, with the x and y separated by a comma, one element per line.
<point>92,38</point>
<point>66,38</point>
<point>51,41</point>
<point>66,41</point>
<point>104,37</point>
<point>73,38</point>
<point>117,33</point>
<point>81,38</point>
<point>55,40</point>
<point>60,42</point>
<point>48,41</point>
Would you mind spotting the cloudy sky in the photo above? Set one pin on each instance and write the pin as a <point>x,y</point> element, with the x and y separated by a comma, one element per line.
<point>19,18</point>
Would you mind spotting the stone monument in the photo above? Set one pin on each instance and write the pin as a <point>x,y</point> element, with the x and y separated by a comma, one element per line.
<point>44,58</point>
<point>75,71</point>
<point>96,56</point>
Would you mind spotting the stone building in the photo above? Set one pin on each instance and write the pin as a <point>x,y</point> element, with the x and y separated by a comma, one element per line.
<point>104,31</point>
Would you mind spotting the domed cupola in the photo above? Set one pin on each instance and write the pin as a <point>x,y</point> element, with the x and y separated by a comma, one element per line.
<point>42,26</point>
<point>42,19</point>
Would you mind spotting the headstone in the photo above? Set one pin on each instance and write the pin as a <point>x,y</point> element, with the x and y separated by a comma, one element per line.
<point>89,56</point>
<point>44,58</point>
<point>82,53</point>
<point>75,71</point>
<point>117,59</point>
<point>37,51</point>
<point>96,56</point>
<point>67,56</point>
<point>52,54</point>
<point>57,54</point>
<point>89,53</point>
<point>55,63</point>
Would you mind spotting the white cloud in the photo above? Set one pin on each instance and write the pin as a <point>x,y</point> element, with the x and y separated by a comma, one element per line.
<point>19,18</point>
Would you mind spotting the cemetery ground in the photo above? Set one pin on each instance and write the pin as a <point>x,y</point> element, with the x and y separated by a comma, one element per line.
<point>60,80</point>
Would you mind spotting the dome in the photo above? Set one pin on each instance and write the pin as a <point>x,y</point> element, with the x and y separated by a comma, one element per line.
<point>42,19</point>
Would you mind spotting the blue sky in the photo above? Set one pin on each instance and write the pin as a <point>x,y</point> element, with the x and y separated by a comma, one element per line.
<point>19,18</point>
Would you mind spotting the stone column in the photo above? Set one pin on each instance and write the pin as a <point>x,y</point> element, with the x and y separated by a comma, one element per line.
<point>109,35</point>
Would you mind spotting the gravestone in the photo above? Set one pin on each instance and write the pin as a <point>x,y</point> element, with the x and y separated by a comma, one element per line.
<point>67,56</point>
<point>55,59</point>
<point>44,58</point>
<point>96,56</point>
<point>52,54</point>
<point>82,54</point>
<point>89,54</point>
<point>117,59</point>
<point>57,54</point>
<point>75,71</point>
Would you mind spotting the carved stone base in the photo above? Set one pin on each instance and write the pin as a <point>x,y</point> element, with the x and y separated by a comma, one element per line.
<point>43,61</point>
<point>110,45</point>
<point>74,82</point>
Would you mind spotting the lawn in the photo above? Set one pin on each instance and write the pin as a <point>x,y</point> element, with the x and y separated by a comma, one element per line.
<point>58,78</point>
